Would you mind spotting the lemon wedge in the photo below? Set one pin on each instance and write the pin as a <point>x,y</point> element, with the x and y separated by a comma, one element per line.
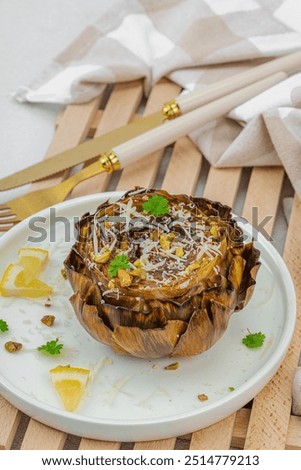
<point>21,279</point>
<point>70,383</point>
<point>14,283</point>
<point>33,260</point>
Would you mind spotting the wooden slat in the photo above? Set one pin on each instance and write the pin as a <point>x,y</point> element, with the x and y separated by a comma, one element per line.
<point>217,436</point>
<point>163,444</point>
<point>144,173</point>
<point>92,444</point>
<point>240,428</point>
<point>93,126</point>
<point>39,436</point>
<point>120,109</point>
<point>10,418</point>
<point>184,168</point>
<point>272,406</point>
<point>293,438</point>
<point>263,193</point>
<point>222,184</point>
<point>73,128</point>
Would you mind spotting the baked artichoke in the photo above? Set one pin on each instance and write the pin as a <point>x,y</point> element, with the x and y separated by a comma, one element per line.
<point>156,274</point>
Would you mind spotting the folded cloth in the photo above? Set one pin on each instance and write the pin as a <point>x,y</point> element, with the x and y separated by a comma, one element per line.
<point>194,43</point>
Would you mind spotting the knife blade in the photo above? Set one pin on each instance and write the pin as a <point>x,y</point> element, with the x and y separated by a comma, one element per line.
<point>183,104</point>
<point>82,152</point>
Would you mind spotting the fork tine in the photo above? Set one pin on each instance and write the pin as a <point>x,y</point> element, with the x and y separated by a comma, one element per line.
<point>7,225</point>
<point>6,228</point>
<point>11,221</point>
<point>4,211</point>
<point>7,221</point>
<point>7,216</point>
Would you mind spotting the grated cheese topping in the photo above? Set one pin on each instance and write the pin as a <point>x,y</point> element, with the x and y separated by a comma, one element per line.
<point>164,247</point>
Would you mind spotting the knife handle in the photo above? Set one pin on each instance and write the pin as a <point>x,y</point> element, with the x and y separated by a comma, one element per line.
<point>161,136</point>
<point>189,101</point>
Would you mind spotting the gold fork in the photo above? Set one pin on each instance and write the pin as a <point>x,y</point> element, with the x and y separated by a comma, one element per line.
<point>22,207</point>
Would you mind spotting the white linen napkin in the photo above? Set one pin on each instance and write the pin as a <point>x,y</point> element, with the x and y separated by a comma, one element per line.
<point>194,43</point>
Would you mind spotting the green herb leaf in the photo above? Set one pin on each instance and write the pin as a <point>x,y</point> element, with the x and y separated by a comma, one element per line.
<point>254,340</point>
<point>231,389</point>
<point>119,262</point>
<point>51,347</point>
<point>3,326</point>
<point>156,205</point>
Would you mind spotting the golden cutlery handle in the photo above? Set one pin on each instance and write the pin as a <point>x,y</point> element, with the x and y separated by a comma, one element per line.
<point>171,110</point>
<point>107,162</point>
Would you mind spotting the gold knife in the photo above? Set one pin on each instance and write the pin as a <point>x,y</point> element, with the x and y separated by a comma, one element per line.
<point>182,105</point>
<point>81,153</point>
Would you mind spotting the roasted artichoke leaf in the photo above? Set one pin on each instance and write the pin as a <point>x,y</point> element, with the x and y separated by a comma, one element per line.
<point>206,326</point>
<point>90,320</point>
<point>152,343</point>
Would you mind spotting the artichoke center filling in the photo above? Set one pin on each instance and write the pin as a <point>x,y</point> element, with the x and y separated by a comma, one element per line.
<point>134,247</point>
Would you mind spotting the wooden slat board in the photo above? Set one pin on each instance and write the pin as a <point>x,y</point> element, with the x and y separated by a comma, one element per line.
<point>267,423</point>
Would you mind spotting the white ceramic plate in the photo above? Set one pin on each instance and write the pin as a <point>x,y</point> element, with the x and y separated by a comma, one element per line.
<point>133,399</point>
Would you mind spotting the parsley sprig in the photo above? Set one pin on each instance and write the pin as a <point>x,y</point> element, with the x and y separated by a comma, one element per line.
<point>3,326</point>
<point>51,347</point>
<point>156,205</point>
<point>254,340</point>
<point>119,262</point>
